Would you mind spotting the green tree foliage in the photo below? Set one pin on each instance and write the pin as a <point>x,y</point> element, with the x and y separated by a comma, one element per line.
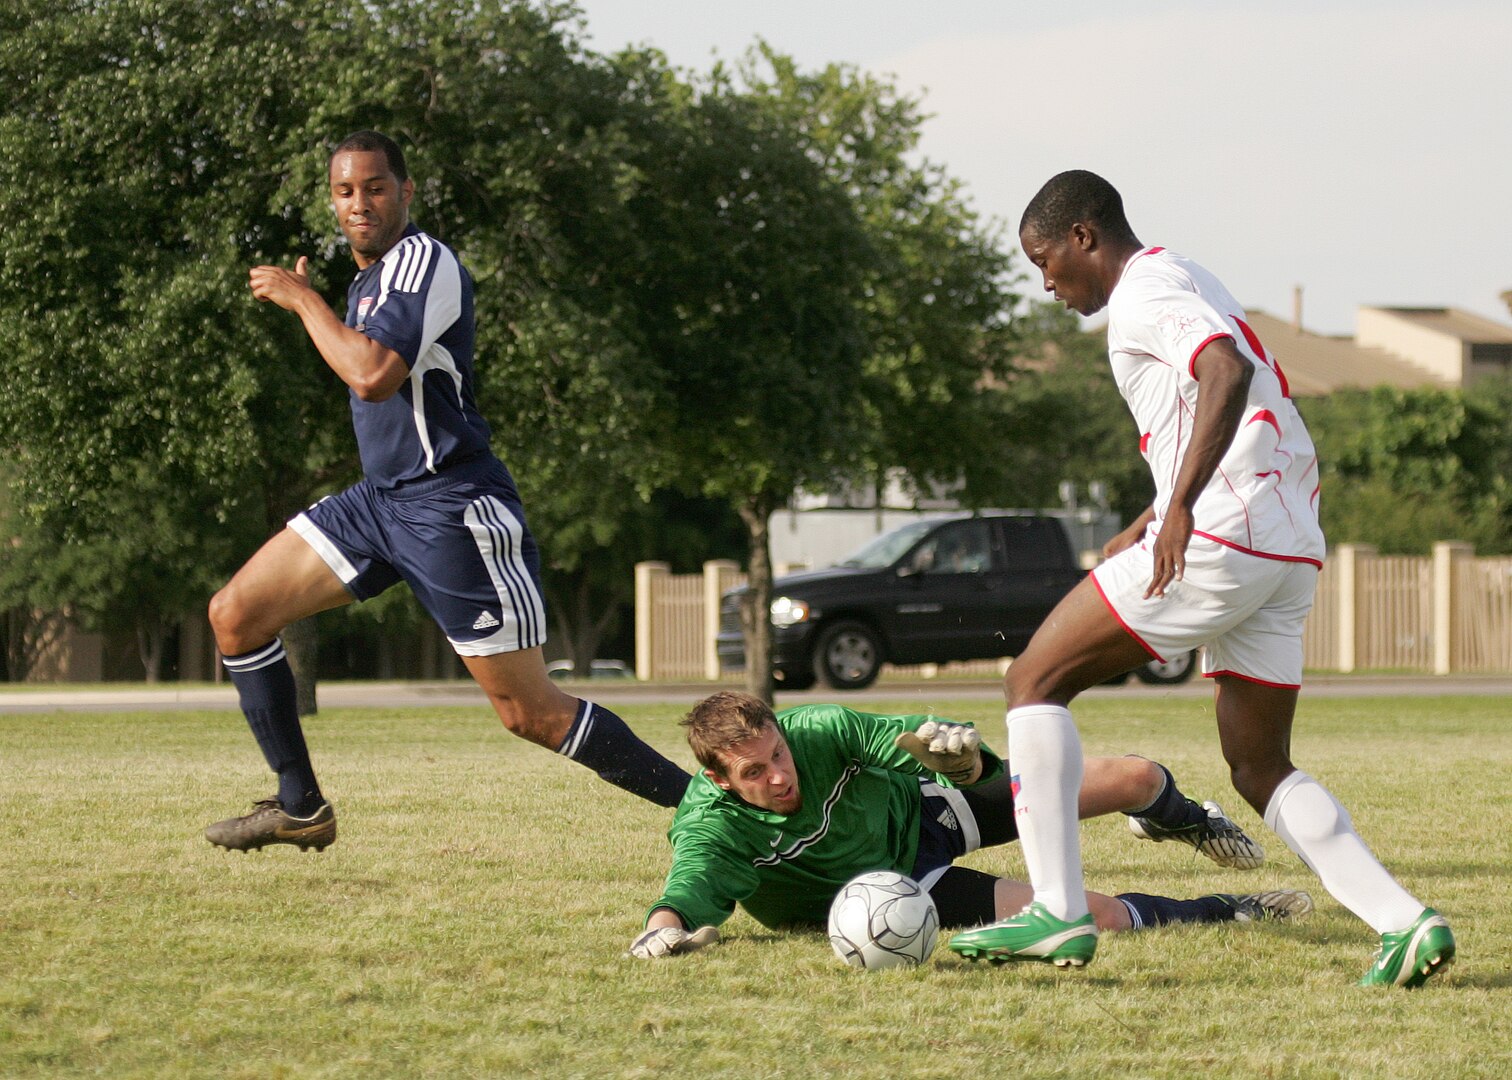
<point>811,307</point>
<point>152,150</point>
<point>1403,468</point>
<point>1067,419</point>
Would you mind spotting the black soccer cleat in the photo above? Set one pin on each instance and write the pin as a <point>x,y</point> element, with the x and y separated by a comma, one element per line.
<point>1274,904</point>
<point>1217,837</point>
<point>269,824</point>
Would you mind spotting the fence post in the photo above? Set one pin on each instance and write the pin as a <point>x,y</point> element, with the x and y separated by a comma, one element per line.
<point>1347,565</point>
<point>1446,554</point>
<point>647,576</point>
<point>715,573</point>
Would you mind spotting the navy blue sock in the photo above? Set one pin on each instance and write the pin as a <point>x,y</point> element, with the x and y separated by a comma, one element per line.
<point>265,683</point>
<point>602,741</point>
<point>1148,910</point>
<point>1171,808</point>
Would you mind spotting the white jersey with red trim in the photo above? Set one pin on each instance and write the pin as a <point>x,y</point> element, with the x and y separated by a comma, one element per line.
<point>1263,498</point>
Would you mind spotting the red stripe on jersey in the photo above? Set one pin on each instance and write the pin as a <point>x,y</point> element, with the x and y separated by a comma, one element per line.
<point>1192,364</point>
<point>1144,443</point>
<point>1252,679</point>
<point>1265,416</point>
<point>1119,619</point>
<point>1252,339</point>
<point>1257,554</point>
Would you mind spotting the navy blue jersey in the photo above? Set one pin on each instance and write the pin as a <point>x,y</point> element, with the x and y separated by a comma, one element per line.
<point>418,301</point>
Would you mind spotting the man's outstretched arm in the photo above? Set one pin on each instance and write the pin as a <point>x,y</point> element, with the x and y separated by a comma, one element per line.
<point>665,935</point>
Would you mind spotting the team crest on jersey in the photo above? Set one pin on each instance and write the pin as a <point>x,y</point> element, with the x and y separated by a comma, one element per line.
<point>1177,326</point>
<point>363,307</point>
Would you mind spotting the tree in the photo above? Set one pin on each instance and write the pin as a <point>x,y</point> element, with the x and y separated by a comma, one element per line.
<point>1067,418</point>
<point>810,308</point>
<point>1403,468</point>
<point>152,150</point>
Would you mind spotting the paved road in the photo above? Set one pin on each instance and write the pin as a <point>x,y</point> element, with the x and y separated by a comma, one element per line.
<point>140,698</point>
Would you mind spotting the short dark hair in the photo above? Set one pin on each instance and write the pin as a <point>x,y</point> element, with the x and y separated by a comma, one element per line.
<point>375,142</point>
<point>1075,196</point>
<point>723,720</point>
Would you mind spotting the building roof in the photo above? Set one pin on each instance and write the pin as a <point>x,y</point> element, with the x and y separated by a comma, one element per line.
<point>1455,323</point>
<point>1316,364</point>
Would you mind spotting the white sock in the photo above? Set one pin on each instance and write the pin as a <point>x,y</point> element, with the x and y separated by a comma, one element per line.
<point>1045,756</point>
<point>1312,822</point>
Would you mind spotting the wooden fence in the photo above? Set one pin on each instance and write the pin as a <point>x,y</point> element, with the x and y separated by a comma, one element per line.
<point>1443,613</point>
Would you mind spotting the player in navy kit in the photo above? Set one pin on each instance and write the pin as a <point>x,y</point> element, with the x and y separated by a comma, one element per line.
<point>435,509</point>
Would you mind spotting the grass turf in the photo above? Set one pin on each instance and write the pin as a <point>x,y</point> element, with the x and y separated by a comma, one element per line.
<point>471,919</point>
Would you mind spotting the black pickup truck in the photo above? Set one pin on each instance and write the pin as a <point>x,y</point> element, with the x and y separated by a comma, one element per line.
<point>960,588</point>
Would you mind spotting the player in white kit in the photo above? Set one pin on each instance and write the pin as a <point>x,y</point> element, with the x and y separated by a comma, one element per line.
<point>1227,556</point>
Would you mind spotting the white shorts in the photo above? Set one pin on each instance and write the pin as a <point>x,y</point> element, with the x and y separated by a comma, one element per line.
<point>1248,610</point>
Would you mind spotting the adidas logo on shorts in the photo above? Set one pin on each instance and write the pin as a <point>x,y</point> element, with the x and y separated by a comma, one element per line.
<point>485,621</point>
<point>948,820</point>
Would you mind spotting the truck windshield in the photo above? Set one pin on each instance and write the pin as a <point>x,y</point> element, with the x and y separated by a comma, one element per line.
<point>889,547</point>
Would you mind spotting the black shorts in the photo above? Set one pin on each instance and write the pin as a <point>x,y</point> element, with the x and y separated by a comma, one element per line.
<point>953,822</point>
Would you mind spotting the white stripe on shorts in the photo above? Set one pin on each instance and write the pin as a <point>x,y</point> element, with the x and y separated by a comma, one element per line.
<point>958,805</point>
<point>499,535</point>
<point>329,553</point>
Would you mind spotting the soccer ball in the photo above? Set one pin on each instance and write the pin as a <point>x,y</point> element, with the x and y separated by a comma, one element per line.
<point>883,920</point>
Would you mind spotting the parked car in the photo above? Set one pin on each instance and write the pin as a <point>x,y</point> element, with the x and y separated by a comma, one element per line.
<point>597,669</point>
<point>932,591</point>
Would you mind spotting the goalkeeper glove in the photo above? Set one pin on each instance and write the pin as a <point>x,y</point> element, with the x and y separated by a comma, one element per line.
<point>952,750</point>
<point>671,940</point>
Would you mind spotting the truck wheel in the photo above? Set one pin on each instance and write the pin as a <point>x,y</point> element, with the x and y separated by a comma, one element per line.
<point>848,656</point>
<point>1178,669</point>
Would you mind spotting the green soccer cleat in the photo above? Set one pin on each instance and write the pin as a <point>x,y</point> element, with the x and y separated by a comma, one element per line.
<point>1032,934</point>
<point>1409,957</point>
<point>269,824</point>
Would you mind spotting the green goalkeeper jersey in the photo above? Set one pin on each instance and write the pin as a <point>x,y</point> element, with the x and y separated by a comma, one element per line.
<point>860,812</point>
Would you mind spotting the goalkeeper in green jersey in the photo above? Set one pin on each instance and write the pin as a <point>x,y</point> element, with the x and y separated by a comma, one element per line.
<point>791,806</point>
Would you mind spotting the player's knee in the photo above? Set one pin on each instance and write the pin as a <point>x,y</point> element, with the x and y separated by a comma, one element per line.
<point>228,620</point>
<point>1026,683</point>
<point>1255,781</point>
<point>1142,778</point>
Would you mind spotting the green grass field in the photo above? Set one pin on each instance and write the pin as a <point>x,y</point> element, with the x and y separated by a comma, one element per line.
<point>473,916</point>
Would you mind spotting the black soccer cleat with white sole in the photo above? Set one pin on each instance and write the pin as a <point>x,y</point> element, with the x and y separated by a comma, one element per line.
<point>268,823</point>
<point>1217,837</point>
<point>1274,904</point>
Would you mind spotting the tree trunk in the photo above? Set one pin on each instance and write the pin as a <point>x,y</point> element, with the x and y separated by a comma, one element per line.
<point>150,634</point>
<point>756,604</point>
<point>580,618</point>
<point>303,646</point>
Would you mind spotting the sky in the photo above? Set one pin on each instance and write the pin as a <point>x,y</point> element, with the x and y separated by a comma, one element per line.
<point>1358,150</point>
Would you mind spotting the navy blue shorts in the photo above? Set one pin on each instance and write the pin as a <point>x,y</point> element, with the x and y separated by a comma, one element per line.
<point>459,539</point>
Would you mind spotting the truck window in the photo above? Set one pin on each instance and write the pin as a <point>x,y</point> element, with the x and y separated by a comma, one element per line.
<point>965,548</point>
<point>1034,544</point>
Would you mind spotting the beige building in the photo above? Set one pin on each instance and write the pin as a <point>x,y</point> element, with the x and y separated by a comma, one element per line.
<point>1407,348</point>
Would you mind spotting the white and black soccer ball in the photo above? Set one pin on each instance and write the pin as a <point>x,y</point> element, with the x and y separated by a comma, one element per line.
<point>883,920</point>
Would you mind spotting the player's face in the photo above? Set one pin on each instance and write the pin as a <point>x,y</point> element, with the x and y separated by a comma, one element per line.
<point>1069,270</point>
<point>760,771</point>
<point>372,206</point>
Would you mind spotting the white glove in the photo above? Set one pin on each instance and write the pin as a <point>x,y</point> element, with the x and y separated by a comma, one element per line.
<point>952,750</point>
<point>671,940</point>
